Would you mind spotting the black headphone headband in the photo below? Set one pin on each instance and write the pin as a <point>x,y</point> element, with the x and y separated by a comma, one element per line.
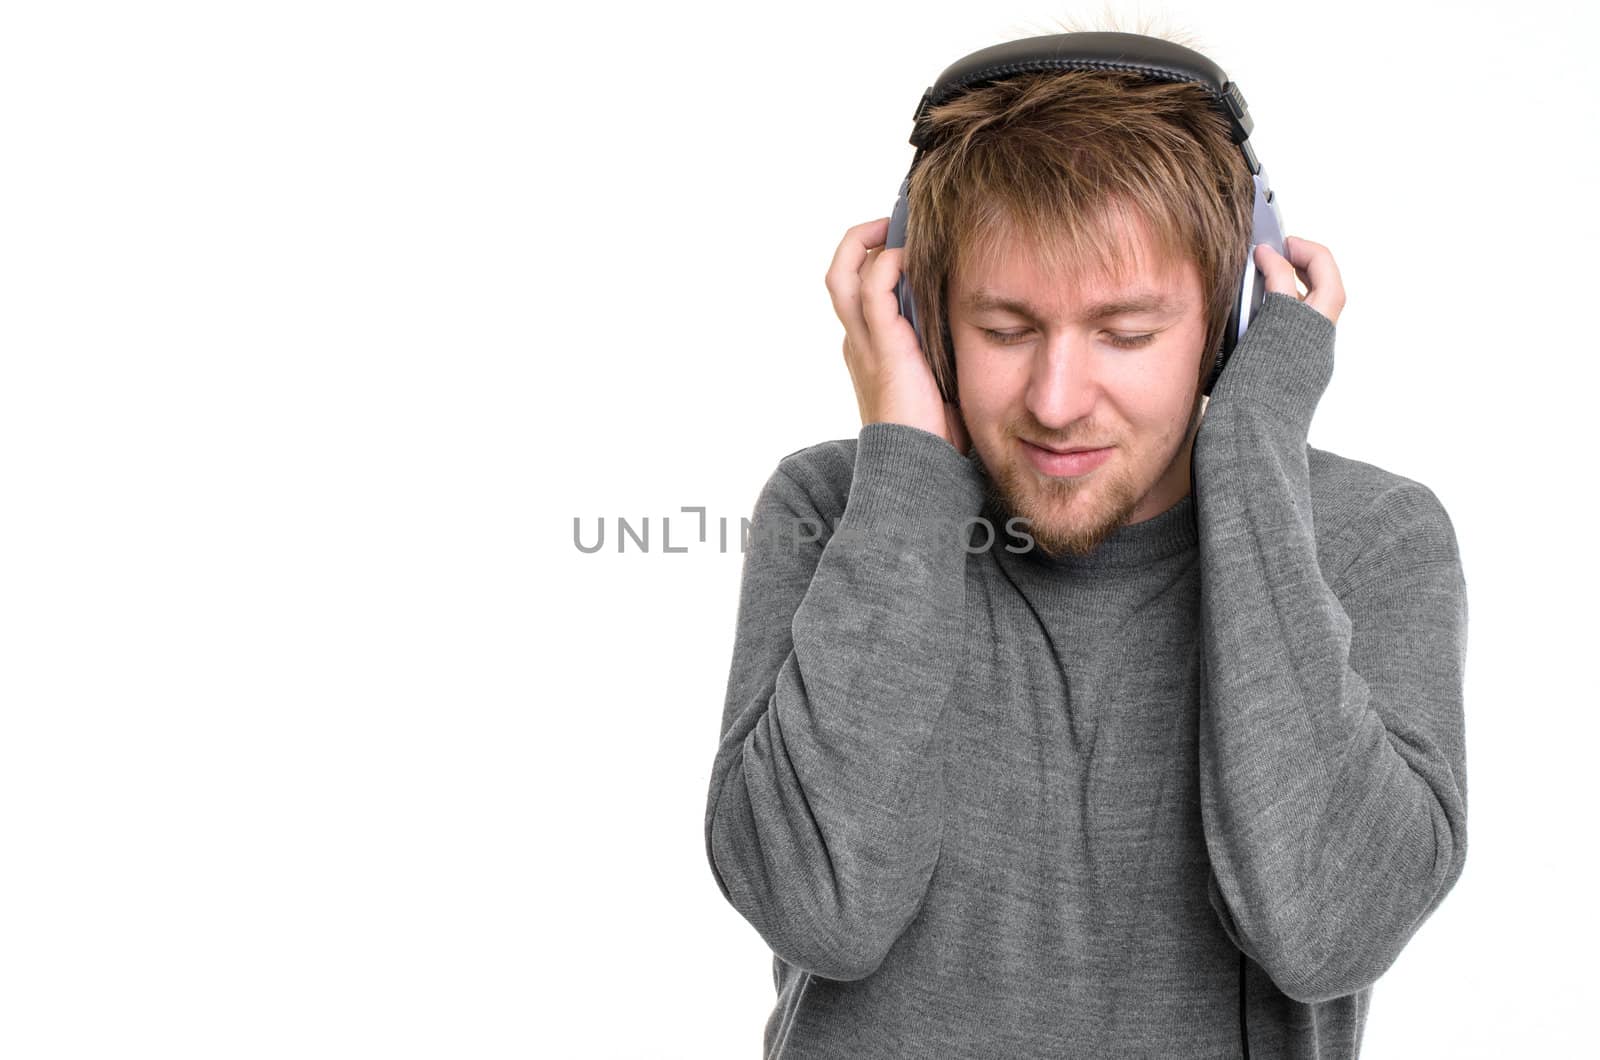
<point>1149,57</point>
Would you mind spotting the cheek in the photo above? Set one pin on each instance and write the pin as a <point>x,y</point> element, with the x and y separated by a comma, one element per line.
<point>1155,397</point>
<point>986,389</point>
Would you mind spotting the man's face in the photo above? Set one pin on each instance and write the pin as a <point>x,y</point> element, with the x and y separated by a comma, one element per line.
<point>1071,368</point>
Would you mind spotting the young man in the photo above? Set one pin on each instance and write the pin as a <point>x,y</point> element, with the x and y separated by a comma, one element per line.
<point>1140,769</point>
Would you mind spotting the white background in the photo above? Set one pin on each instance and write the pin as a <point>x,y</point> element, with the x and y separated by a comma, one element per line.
<point>323,321</point>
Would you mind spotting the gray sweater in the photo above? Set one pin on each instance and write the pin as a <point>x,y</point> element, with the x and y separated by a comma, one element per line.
<point>1188,796</point>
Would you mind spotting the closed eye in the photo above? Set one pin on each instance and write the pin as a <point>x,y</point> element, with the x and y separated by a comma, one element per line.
<point>1004,338</point>
<point>1011,338</point>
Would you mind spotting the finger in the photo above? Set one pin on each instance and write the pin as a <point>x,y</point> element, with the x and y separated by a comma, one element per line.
<point>878,300</point>
<point>866,264</point>
<point>1316,263</point>
<point>1276,270</point>
<point>843,279</point>
<point>864,278</point>
<point>1304,280</point>
<point>857,241</point>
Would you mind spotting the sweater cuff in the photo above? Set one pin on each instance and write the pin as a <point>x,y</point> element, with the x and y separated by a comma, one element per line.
<point>910,481</point>
<point>1283,361</point>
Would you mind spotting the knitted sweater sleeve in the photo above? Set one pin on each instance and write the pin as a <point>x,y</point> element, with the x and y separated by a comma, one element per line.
<point>826,805</point>
<point>1332,756</point>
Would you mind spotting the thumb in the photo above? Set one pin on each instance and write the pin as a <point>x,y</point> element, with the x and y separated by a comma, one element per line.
<point>1276,270</point>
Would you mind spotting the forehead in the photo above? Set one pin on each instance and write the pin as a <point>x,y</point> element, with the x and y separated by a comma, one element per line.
<point>1109,259</point>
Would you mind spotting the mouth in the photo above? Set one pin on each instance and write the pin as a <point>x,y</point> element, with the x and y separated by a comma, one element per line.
<point>1069,449</point>
<point>1066,463</point>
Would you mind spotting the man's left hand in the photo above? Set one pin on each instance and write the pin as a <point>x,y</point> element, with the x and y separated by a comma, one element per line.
<point>1313,264</point>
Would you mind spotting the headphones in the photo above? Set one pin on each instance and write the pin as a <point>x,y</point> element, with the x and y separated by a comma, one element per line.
<point>1156,59</point>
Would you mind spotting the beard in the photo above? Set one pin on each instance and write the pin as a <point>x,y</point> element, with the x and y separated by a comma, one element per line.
<point>1065,516</point>
<point>1070,516</point>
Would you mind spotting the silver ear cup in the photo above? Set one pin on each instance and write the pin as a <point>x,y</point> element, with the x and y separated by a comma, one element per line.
<point>1267,228</point>
<point>897,238</point>
<point>1251,290</point>
<point>1246,299</point>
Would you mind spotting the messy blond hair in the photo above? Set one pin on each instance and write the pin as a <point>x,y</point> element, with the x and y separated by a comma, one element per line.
<point>1061,163</point>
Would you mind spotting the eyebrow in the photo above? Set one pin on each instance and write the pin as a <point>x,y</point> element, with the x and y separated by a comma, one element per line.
<point>1137,302</point>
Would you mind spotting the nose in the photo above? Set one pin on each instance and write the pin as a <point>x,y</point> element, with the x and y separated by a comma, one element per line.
<point>1063,381</point>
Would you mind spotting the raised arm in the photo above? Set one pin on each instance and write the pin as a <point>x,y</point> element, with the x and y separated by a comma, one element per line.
<point>826,803</point>
<point>1332,757</point>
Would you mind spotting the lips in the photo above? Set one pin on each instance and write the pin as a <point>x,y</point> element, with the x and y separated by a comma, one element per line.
<point>1069,464</point>
<point>1073,449</point>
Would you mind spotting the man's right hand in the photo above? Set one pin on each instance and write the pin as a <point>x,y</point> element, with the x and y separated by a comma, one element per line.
<point>892,379</point>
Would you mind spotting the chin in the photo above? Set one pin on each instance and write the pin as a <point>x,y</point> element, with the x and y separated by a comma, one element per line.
<point>1071,515</point>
